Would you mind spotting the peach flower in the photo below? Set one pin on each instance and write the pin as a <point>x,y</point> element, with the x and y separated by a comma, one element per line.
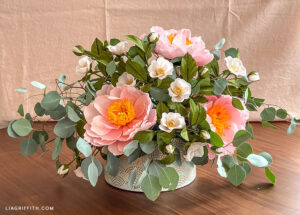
<point>225,120</point>
<point>116,115</point>
<point>173,43</point>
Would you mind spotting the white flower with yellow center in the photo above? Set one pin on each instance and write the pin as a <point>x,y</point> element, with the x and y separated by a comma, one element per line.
<point>196,149</point>
<point>160,68</point>
<point>171,121</point>
<point>235,66</point>
<point>118,49</point>
<point>126,79</point>
<point>179,90</point>
<point>84,65</point>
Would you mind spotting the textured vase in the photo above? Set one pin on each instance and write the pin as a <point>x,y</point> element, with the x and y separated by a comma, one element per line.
<point>186,172</point>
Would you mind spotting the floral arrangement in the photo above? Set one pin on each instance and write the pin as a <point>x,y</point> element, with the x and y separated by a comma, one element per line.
<point>133,100</point>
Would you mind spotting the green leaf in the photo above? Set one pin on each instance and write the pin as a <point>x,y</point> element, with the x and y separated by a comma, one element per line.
<point>132,178</point>
<point>164,83</point>
<point>267,124</point>
<point>215,139</point>
<point>50,100</point>
<point>38,85</point>
<point>246,167</point>
<point>168,159</point>
<point>146,88</point>
<point>10,130</point>
<point>240,137</point>
<point>62,80</point>
<point>135,40</point>
<point>216,55</point>
<point>21,90</point>
<point>267,156</point>
<point>232,52</point>
<point>111,68</point>
<point>237,103</point>
<point>130,147</point>
<point>22,127</point>
<point>64,128</point>
<point>159,94</point>
<point>93,173</point>
<point>160,109</point>
<point>144,136</point>
<point>97,47</point>
<point>281,113</point>
<point>184,133</point>
<point>28,146</point>
<point>57,148</point>
<point>229,161</point>
<point>72,115</point>
<point>112,164</point>
<point>268,114</point>
<point>80,128</point>
<point>114,41</point>
<point>57,113</point>
<point>200,160</point>
<point>41,137</point>
<point>136,70</point>
<point>220,44</point>
<point>236,175</point>
<point>220,86</point>
<point>250,130</point>
<point>71,142</point>
<point>257,160</point>
<point>85,165</point>
<point>135,155</point>
<point>151,187</point>
<point>21,110</point>
<point>194,112</point>
<point>154,169</point>
<point>188,68</point>
<point>38,109</point>
<point>179,108</point>
<point>148,148</point>
<point>243,151</point>
<point>84,147</point>
<point>270,175</point>
<point>168,178</point>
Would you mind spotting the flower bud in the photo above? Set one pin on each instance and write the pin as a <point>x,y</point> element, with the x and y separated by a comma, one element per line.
<point>205,135</point>
<point>254,77</point>
<point>153,36</point>
<point>62,171</point>
<point>170,148</point>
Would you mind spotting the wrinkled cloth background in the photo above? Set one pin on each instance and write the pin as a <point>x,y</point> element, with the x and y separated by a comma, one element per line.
<point>37,37</point>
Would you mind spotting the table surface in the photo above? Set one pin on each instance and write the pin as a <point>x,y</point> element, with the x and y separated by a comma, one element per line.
<point>32,181</point>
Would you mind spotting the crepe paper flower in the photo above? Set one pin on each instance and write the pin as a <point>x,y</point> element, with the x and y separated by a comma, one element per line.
<point>124,58</point>
<point>171,121</point>
<point>254,77</point>
<point>235,66</point>
<point>153,36</point>
<point>179,90</point>
<point>196,149</point>
<point>225,120</point>
<point>170,148</point>
<point>173,43</point>
<point>205,135</point>
<point>118,49</point>
<point>84,65</point>
<point>126,79</point>
<point>78,172</point>
<point>160,68</point>
<point>62,171</point>
<point>116,115</point>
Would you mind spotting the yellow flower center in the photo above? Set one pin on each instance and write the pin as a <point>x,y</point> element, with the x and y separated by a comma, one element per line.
<point>187,41</point>
<point>160,71</point>
<point>178,90</point>
<point>220,118</point>
<point>233,67</point>
<point>121,112</point>
<point>130,81</point>
<point>170,123</point>
<point>171,37</point>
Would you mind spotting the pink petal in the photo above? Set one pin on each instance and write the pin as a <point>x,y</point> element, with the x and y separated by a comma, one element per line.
<point>113,134</point>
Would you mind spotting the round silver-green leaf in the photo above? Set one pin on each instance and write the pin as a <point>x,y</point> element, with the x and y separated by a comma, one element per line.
<point>22,127</point>
<point>50,100</point>
<point>28,146</point>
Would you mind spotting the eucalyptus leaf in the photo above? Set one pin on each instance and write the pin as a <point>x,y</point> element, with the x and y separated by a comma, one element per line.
<point>236,175</point>
<point>240,137</point>
<point>246,167</point>
<point>22,127</point>
<point>21,110</point>
<point>257,160</point>
<point>10,130</point>
<point>84,147</point>
<point>168,178</point>
<point>51,100</point>
<point>93,173</point>
<point>243,151</point>
<point>270,175</point>
<point>148,148</point>
<point>151,187</point>
<point>281,113</point>
<point>154,169</point>
<point>21,90</point>
<point>130,147</point>
<point>64,128</point>
<point>38,85</point>
<point>62,80</point>
<point>220,86</point>
<point>268,114</point>
<point>267,156</point>
<point>112,164</point>
<point>28,146</point>
<point>72,115</point>
<point>220,44</point>
<point>57,148</point>
<point>38,109</point>
<point>132,178</point>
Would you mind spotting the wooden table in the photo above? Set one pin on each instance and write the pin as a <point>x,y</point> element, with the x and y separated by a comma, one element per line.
<point>32,181</point>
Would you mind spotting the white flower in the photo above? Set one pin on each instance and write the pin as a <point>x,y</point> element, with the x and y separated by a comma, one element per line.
<point>118,49</point>
<point>160,68</point>
<point>235,66</point>
<point>170,121</point>
<point>254,76</point>
<point>62,171</point>
<point>124,58</point>
<point>179,90</point>
<point>153,36</point>
<point>84,65</point>
<point>78,172</point>
<point>221,169</point>
<point>126,79</point>
<point>195,150</point>
<point>205,134</point>
<point>170,148</point>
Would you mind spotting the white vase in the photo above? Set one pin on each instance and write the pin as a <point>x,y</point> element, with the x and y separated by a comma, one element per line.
<point>186,172</point>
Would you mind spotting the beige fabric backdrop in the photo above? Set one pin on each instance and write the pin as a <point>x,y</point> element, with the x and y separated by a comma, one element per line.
<point>36,39</point>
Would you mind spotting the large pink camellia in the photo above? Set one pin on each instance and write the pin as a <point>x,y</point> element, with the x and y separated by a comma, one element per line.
<point>173,43</point>
<point>116,115</point>
<point>225,120</point>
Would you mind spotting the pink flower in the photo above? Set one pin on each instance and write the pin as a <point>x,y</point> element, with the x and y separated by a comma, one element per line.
<point>116,115</point>
<point>173,43</point>
<point>225,120</point>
